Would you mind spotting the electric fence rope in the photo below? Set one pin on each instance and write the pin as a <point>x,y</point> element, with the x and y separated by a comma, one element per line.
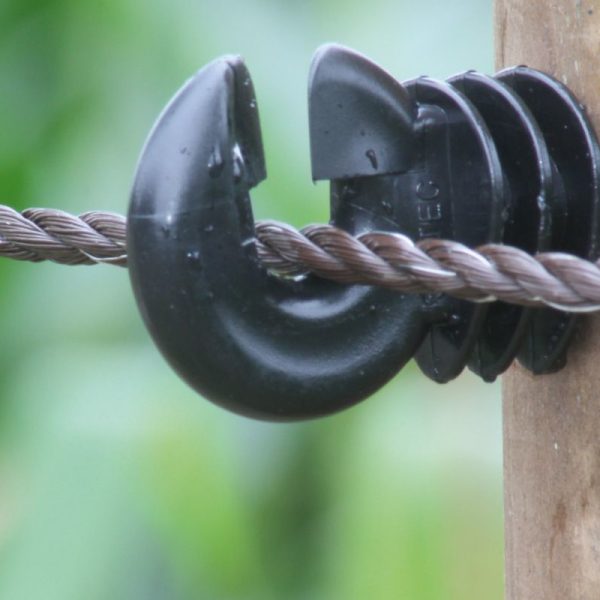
<point>488,273</point>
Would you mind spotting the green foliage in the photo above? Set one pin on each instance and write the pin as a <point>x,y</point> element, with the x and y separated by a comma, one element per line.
<point>116,481</point>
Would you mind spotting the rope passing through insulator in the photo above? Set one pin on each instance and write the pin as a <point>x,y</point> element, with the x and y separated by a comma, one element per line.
<point>485,274</point>
<point>464,229</point>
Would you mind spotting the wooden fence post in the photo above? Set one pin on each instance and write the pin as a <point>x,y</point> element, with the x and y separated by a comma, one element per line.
<point>552,422</point>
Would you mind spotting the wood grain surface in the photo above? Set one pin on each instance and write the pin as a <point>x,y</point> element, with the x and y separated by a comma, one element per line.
<point>552,422</point>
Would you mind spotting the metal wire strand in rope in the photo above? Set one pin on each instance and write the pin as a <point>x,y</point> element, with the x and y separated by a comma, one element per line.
<point>488,273</point>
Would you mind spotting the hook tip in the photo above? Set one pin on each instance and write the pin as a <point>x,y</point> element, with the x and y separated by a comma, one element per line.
<point>361,118</point>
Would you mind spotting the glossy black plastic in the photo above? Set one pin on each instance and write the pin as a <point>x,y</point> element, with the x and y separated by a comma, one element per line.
<point>361,119</point>
<point>441,179</point>
<point>474,197</point>
<point>573,147</point>
<point>526,213</point>
<point>254,343</point>
<point>510,159</point>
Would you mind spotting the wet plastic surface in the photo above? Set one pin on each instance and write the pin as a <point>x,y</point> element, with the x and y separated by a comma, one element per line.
<point>574,150</point>
<point>251,342</point>
<point>474,196</point>
<point>478,160</point>
<point>526,213</point>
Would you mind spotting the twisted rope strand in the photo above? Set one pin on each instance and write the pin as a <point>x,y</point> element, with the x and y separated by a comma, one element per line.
<point>38,234</point>
<point>490,272</point>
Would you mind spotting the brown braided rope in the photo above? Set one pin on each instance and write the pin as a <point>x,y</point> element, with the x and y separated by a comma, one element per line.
<point>490,272</point>
<point>38,234</point>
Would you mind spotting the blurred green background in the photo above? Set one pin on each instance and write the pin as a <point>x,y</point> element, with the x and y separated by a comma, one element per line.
<point>116,481</point>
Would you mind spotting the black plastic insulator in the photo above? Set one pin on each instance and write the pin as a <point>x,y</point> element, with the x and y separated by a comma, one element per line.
<point>508,159</point>
<point>254,343</point>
